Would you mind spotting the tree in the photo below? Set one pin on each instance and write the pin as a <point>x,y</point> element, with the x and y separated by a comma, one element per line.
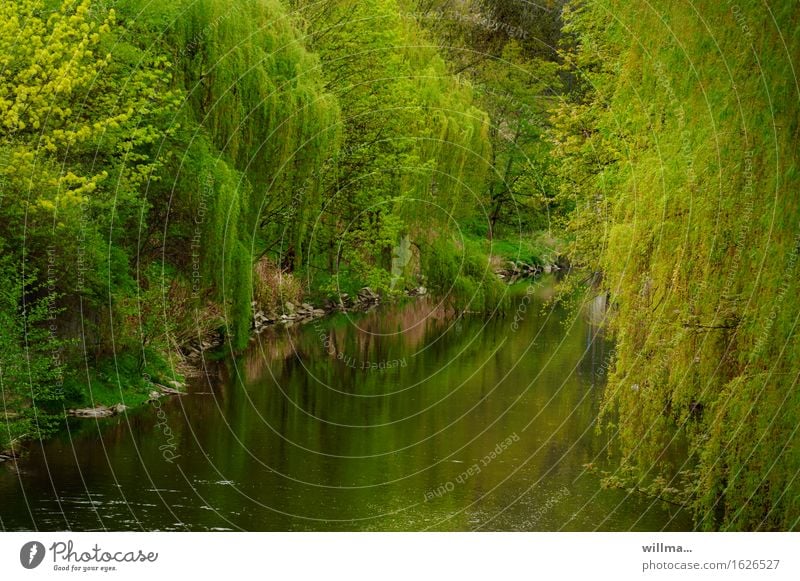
<point>414,148</point>
<point>32,369</point>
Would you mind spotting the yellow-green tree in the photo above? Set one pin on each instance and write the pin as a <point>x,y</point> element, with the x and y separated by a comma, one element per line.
<point>77,127</point>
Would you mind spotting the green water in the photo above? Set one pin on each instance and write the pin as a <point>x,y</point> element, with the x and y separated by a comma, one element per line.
<point>404,418</point>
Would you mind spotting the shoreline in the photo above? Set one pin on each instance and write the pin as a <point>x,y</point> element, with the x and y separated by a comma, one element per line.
<point>191,354</point>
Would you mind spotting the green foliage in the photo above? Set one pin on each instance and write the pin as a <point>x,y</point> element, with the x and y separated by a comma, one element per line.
<point>537,249</point>
<point>77,132</point>
<point>257,123</point>
<point>680,157</point>
<point>75,129</point>
<point>31,365</point>
<point>504,49</point>
<point>415,146</point>
<point>263,104</point>
<point>122,379</point>
<point>461,273</point>
<point>153,155</point>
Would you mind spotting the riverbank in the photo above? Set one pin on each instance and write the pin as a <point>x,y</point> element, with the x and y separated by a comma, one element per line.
<point>121,385</point>
<point>109,398</point>
<point>296,435</point>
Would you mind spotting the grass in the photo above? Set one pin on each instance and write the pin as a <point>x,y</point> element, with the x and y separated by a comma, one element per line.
<point>112,381</point>
<point>122,379</point>
<point>538,248</point>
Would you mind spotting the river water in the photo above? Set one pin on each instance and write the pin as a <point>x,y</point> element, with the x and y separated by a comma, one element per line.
<point>404,418</point>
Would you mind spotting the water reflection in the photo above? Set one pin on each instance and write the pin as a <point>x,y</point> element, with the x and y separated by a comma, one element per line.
<point>405,418</point>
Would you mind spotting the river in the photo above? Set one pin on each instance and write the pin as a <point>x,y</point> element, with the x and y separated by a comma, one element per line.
<point>403,418</point>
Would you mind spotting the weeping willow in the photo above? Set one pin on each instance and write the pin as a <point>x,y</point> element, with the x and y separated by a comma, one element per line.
<point>680,148</point>
<point>213,135</point>
<point>322,163</point>
<point>257,92</point>
<point>415,146</point>
<point>453,142</point>
<point>256,122</point>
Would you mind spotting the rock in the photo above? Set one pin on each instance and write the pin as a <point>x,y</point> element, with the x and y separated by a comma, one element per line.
<point>168,390</point>
<point>96,412</point>
<point>154,395</point>
<point>119,408</point>
<point>289,307</point>
<point>368,295</point>
<point>176,384</point>
<point>548,269</point>
<point>318,312</point>
<point>308,307</point>
<point>8,455</point>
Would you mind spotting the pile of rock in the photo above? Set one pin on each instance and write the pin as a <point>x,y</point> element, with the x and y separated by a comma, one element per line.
<point>174,388</point>
<point>263,319</point>
<point>194,349</point>
<point>367,297</point>
<point>7,455</point>
<point>294,314</point>
<point>307,312</point>
<point>299,314</point>
<point>518,270</point>
<point>100,411</point>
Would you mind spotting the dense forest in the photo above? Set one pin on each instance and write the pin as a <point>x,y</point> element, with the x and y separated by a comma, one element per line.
<point>167,169</point>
